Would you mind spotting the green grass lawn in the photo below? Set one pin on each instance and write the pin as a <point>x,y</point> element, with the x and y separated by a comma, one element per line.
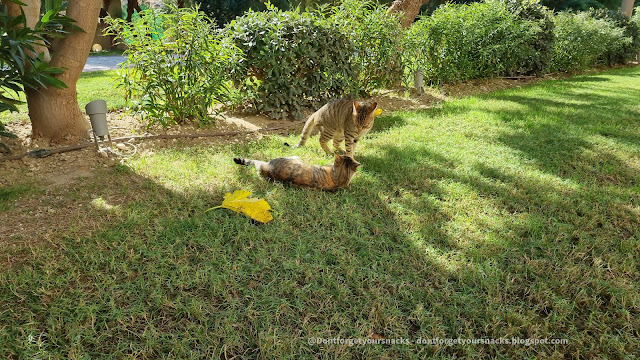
<point>509,215</point>
<point>91,86</point>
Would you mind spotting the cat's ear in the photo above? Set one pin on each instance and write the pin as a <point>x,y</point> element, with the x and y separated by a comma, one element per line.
<point>374,106</point>
<point>337,156</point>
<point>356,106</point>
<point>356,164</point>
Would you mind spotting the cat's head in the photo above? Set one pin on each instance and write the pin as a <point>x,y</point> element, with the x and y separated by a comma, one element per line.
<point>363,115</point>
<point>345,162</point>
<point>344,168</point>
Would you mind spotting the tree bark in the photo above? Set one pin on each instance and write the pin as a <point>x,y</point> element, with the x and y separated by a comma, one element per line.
<point>54,113</point>
<point>627,7</point>
<point>113,8</point>
<point>409,10</point>
<point>132,5</point>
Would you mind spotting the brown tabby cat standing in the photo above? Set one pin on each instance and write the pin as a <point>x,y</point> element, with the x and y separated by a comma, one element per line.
<point>292,170</point>
<point>340,120</point>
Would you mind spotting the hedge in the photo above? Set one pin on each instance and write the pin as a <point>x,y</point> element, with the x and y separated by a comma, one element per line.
<point>460,42</point>
<point>292,60</point>
<point>583,41</point>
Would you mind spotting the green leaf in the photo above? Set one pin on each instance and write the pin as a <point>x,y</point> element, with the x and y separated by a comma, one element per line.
<point>8,134</point>
<point>5,148</point>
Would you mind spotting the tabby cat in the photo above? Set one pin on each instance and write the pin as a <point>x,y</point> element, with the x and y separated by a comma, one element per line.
<point>340,120</point>
<point>292,170</point>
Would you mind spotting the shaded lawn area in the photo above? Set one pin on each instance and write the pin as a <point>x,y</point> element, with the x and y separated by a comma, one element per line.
<point>508,215</point>
<point>91,86</point>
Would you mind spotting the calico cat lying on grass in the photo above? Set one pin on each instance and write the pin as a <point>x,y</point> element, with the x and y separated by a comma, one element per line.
<point>292,170</point>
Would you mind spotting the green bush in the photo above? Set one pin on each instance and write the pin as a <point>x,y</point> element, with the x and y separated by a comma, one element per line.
<point>293,59</point>
<point>628,49</point>
<point>460,42</point>
<point>583,41</point>
<point>636,19</point>
<point>377,36</point>
<point>175,66</point>
<point>534,11</point>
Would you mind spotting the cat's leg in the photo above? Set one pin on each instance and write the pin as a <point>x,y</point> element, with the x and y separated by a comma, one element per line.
<point>338,138</point>
<point>325,136</point>
<point>350,143</point>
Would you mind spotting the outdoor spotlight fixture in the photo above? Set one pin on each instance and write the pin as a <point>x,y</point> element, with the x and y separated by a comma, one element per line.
<point>97,111</point>
<point>418,81</point>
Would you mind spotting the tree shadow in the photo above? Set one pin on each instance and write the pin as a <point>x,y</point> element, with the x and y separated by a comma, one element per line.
<point>384,123</point>
<point>572,132</point>
<point>588,78</point>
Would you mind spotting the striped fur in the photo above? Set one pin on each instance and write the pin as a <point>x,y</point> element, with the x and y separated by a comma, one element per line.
<point>292,170</point>
<point>340,120</point>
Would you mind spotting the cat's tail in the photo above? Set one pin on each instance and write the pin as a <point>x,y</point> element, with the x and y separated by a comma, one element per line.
<point>261,166</point>
<point>306,131</point>
<point>249,162</point>
<point>240,161</point>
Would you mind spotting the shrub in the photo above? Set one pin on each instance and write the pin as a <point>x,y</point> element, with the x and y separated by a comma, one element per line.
<point>628,48</point>
<point>377,36</point>
<point>460,42</point>
<point>293,59</point>
<point>175,66</point>
<point>534,11</point>
<point>583,41</point>
<point>636,20</point>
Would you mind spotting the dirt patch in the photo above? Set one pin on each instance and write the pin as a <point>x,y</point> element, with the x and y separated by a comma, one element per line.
<point>64,201</point>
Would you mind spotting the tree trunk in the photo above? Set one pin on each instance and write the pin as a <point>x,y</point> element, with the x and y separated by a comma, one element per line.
<point>113,8</point>
<point>180,4</point>
<point>55,113</point>
<point>409,9</point>
<point>627,7</point>
<point>132,5</point>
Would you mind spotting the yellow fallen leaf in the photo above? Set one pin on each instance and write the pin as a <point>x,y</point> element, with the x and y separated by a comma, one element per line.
<point>239,201</point>
<point>378,112</point>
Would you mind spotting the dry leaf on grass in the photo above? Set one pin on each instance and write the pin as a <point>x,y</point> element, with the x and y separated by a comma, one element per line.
<point>239,201</point>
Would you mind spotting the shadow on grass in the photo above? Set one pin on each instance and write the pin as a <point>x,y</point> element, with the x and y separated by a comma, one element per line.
<point>588,78</point>
<point>559,128</point>
<point>10,193</point>
<point>422,244</point>
<point>214,285</point>
<point>524,232</point>
<point>383,123</point>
